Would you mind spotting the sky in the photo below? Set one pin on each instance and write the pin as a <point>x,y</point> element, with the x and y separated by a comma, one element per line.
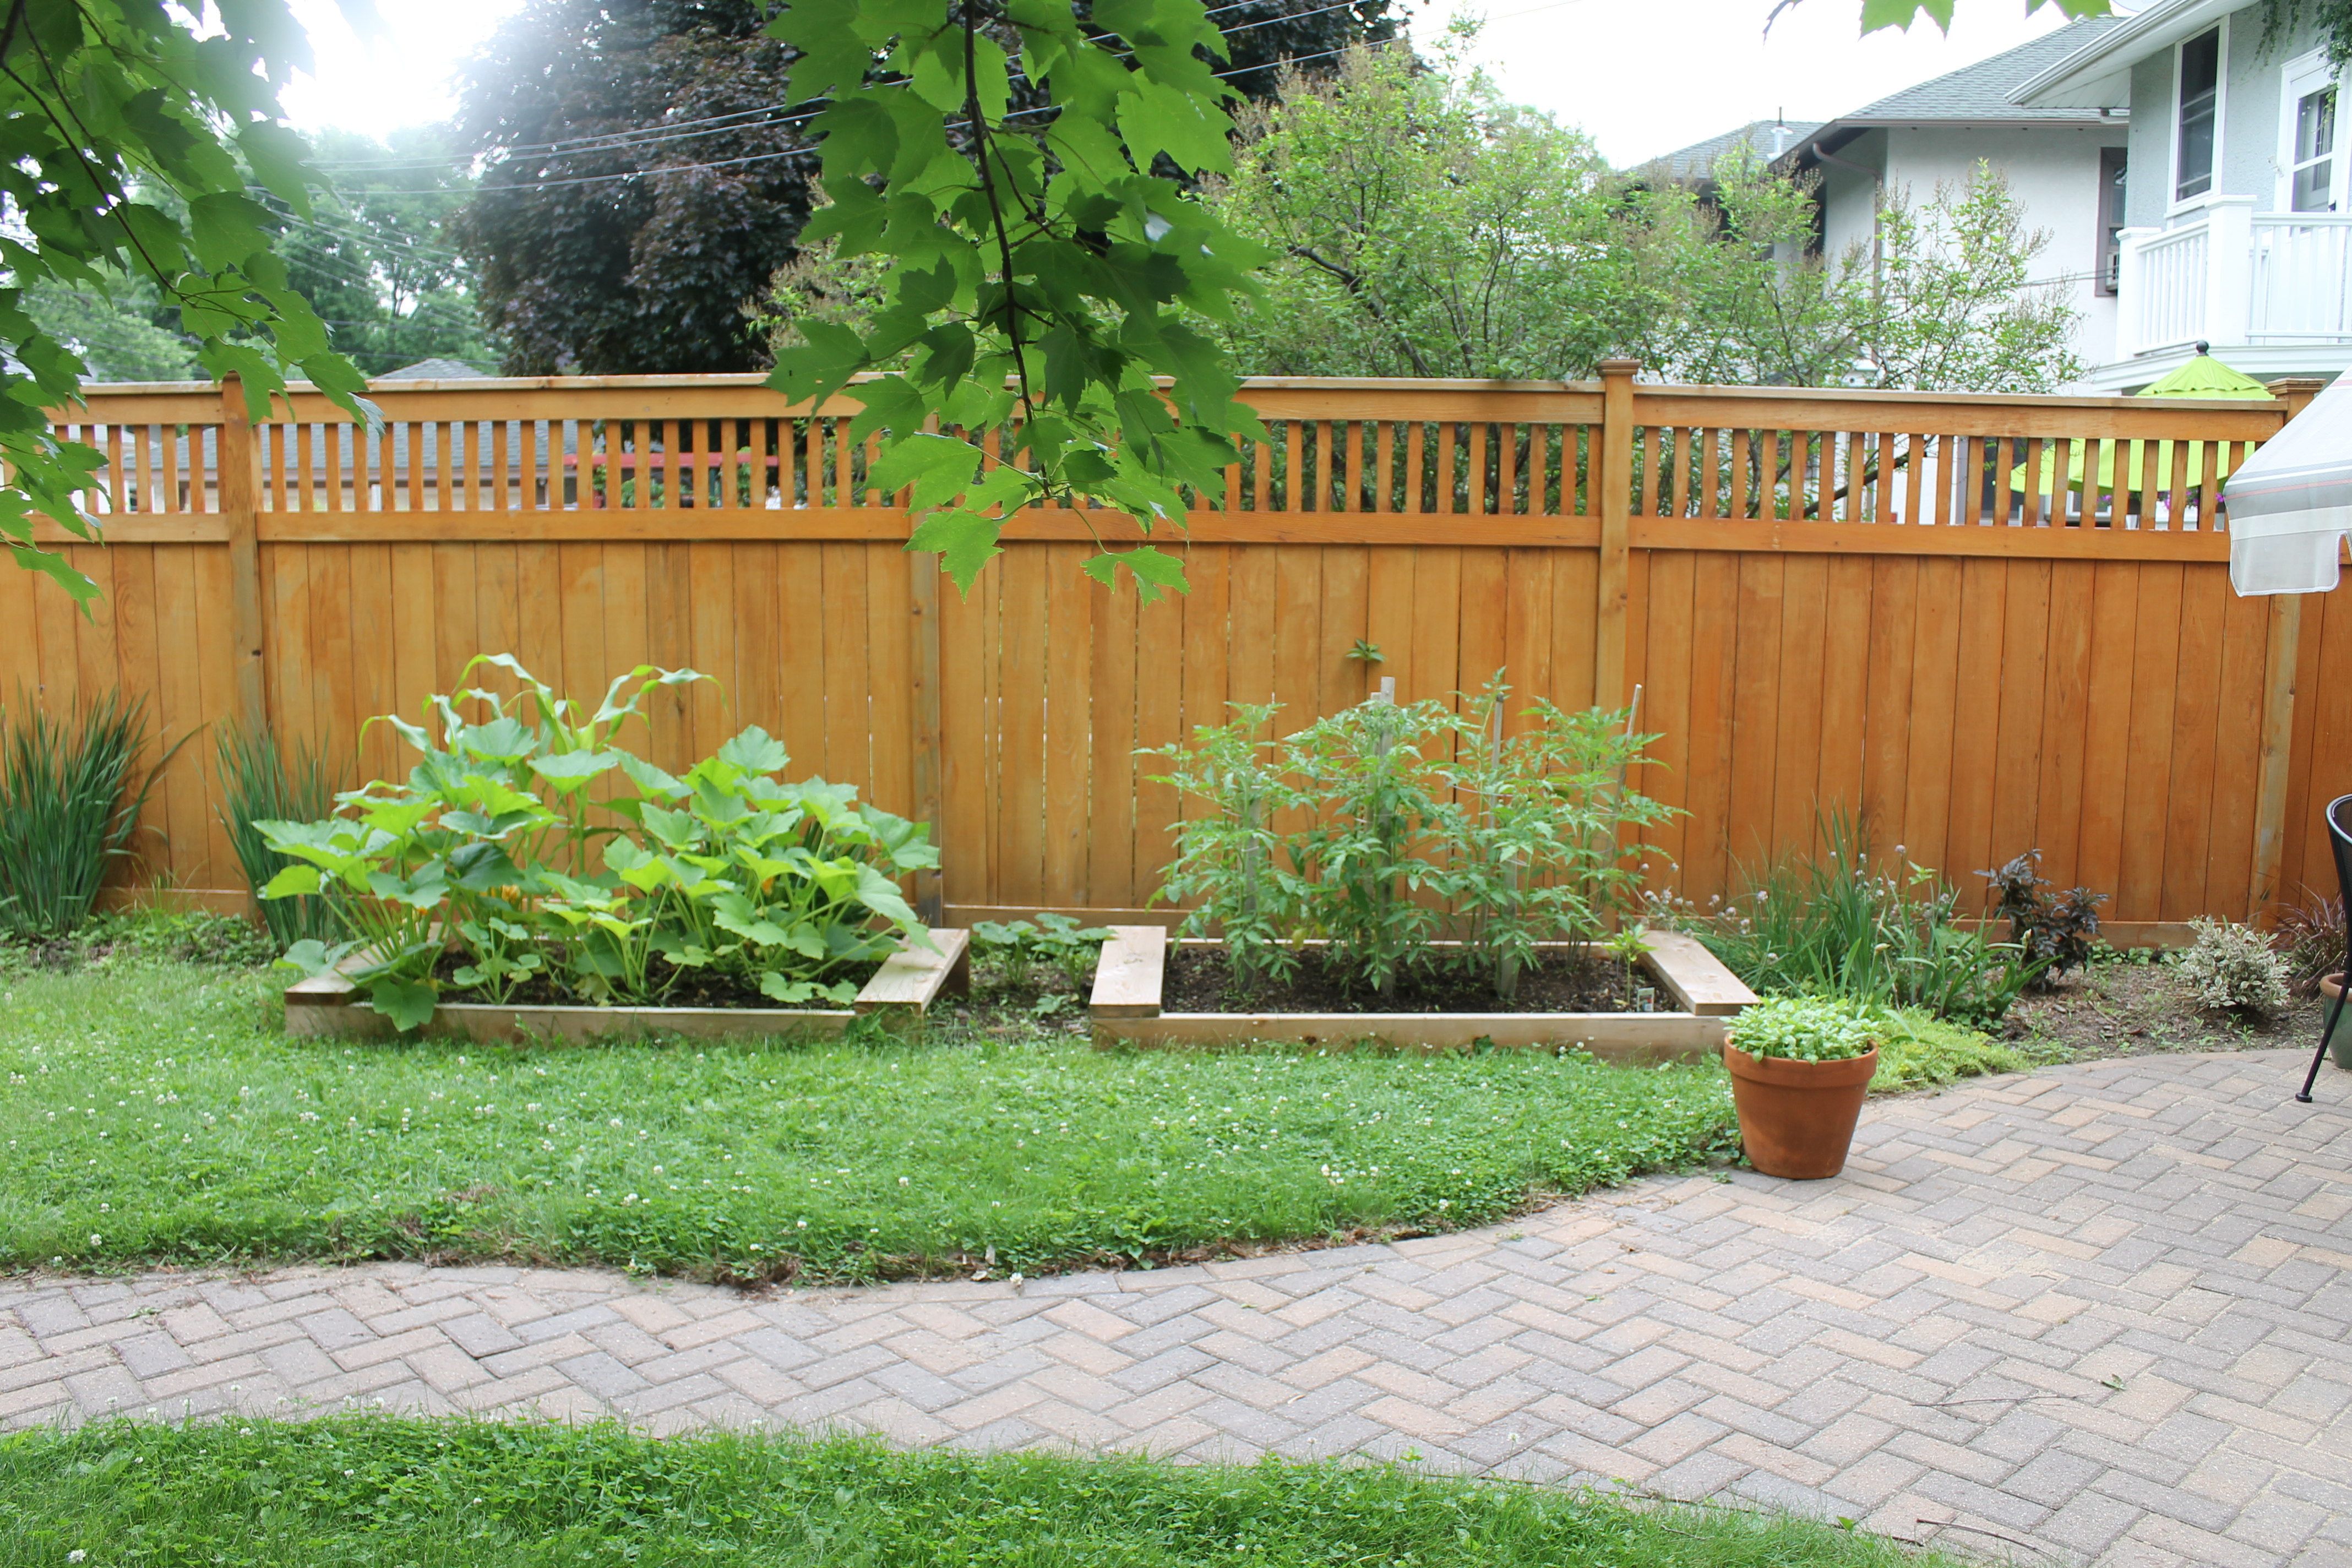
<point>1642,76</point>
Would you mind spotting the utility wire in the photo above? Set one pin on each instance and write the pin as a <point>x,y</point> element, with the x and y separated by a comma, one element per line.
<point>684,130</point>
<point>818,151</point>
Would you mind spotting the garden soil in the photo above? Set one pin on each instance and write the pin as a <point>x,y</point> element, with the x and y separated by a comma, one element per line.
<point>2131,1009</point>
<point>1201,980</point>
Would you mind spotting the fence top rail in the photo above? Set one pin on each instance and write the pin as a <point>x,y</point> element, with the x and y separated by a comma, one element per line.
<point>746,395</point>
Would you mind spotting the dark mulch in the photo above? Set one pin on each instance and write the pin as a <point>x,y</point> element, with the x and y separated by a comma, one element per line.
<point>694,988</point>
<point>1201,980</point>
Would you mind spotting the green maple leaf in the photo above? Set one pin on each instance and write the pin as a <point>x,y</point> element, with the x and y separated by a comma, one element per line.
<point>1155,570</point>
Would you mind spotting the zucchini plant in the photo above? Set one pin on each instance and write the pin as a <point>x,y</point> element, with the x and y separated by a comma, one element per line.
<point>495,865</point>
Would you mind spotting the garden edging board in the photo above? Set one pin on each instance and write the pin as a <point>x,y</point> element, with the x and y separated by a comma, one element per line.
<point>1125,1011</point>
<point>905,985</point>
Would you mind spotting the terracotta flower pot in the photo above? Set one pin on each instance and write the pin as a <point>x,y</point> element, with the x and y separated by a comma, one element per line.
<point>1797,1118</point>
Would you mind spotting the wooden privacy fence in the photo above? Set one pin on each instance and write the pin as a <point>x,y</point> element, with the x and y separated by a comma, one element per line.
<point>1985,623</point>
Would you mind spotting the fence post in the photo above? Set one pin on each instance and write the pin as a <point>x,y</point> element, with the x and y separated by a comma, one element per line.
<point>1614,503</point>
<point>239,497</point>
<point>929,765</point>
<point>2275,759</point>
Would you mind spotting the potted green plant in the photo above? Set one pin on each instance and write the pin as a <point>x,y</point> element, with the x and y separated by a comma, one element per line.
<point>1800,1068</point>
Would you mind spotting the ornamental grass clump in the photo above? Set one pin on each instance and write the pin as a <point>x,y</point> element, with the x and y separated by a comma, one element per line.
<point>2233,967</point>
<point>1885,933</point>
<point>258,785</point>
<point>495,850</point>
<point>68,813</point>
<point>1411,838</point>
<point>1806,1030</point>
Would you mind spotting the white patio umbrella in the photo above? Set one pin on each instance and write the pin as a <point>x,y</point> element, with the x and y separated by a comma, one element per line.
<point>2291,503</point>
<point>2290,507</point>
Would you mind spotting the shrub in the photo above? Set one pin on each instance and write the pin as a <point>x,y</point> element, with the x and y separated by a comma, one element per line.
<point>1806,1030</point>
<point>2231,967</point>
<point>1834,925</point>
<point>494,847</point>
<point>257,785</point>
<point>2310,937</point>
<point>66,812</point>
<point>1386,827</point>
<point>2057,931</point>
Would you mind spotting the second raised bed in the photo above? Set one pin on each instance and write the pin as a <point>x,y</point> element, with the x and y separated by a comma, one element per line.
<point>1126,1011</point>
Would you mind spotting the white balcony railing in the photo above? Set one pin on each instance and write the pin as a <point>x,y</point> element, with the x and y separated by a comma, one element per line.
<point>2231,274</point>
<point>2303,284</point>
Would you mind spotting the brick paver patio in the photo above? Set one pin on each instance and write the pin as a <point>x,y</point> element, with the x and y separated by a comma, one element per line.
<point>2098,1315</point>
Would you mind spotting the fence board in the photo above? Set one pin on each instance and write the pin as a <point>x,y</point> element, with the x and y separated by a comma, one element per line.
<point>1974,751</point>
<point>2188,815</point>
<point>1797,764</point>
<point>1846,685</point>
<point>1067,801</point>
<point>2156,675</point>
<point>1756,712</point>
<point>1886,724</point>
<point>2017,759</point>
<point>1934,654</point>
<point>2065,706</point>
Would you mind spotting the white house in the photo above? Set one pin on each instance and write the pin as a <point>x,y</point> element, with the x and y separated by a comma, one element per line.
<point>2236,228</point>
<point>2063,162</point>
<point>2185,161</point>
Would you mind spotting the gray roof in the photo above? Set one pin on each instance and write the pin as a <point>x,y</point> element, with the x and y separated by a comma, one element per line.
<point>1980,94</point>
<point>1766,138</point>
<point>432,370</point>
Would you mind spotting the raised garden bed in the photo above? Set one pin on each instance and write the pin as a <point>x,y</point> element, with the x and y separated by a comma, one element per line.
<point>1699,993</point>
<point>904,988</point>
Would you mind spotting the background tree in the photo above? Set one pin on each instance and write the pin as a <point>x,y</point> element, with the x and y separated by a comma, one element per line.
<point>1722,289</point>
<point>375,256</point>
<point>646,178</point>
<point>126,147</point>
<point>1942,300</point>
<point>118,326</point>
<point>1422,227</point>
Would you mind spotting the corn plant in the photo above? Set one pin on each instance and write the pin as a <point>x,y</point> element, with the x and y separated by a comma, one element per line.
<point>67,809</point>
<point>494,848</point>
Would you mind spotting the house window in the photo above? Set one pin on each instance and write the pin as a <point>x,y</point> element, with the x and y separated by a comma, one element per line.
<point>2311,178</point>
<point>2200,105</point>
<point>2109,249</point>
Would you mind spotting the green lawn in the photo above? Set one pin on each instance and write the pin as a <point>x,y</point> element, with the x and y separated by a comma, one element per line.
<point>152,1109</point>
<point>387,1493</point>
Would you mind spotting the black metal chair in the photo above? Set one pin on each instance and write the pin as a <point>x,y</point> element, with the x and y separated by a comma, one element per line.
<point>2340,839</point>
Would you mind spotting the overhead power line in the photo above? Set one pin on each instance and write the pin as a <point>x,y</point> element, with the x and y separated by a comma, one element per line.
<point>791,152</point>
<point>663,132</point>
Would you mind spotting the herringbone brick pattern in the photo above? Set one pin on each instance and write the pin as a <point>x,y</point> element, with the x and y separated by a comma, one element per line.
<point>2099,1313</point>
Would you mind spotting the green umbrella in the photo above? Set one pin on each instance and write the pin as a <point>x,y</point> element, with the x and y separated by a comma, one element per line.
<point>2205,376</point>
<point>2202,376</point>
